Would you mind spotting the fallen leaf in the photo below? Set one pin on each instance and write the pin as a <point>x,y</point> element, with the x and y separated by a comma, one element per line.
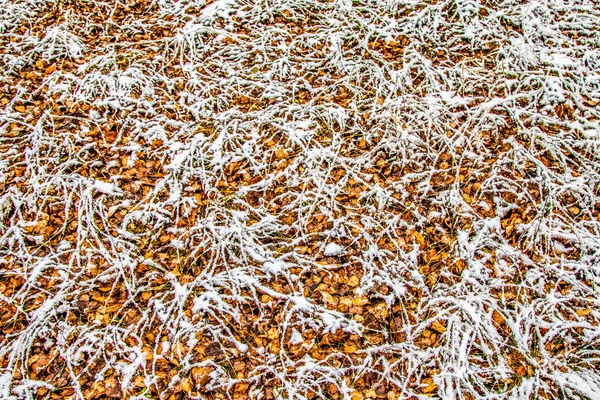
<point>360,301</point>
<point>214,350</point>
<point>350,347</point>
<point>112,388</point>
<point>186,385</point>
<point>353,281</point>
<point>438,327</point>
<point>272,333</point>
<point>584,313</point>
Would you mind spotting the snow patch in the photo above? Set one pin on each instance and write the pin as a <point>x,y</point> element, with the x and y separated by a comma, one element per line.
<point>333,249</point>
<point>296,337</point>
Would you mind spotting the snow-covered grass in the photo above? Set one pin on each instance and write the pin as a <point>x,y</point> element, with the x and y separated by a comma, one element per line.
<point>300,199</point>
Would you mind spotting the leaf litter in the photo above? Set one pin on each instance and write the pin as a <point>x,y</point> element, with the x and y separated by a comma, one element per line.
<point>299,199</point>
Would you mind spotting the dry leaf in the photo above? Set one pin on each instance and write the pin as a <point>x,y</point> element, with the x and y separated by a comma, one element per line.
<point>430,388</point>
<point>214,350</point>
<point>380,310</point>
<point>186,385</point>
<point>112,388</point>
<point>328,298</point>
<point>272,333</point>
<point>360,301</point>
<point>584,313</point>
<point>350,347</point>
<point>353,281</point>
<point>438,327</point>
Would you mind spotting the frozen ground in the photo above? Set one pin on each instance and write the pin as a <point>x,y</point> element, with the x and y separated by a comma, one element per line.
<point>299,199</point>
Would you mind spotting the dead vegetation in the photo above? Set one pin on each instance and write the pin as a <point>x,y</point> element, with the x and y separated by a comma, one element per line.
<point>299,199</point>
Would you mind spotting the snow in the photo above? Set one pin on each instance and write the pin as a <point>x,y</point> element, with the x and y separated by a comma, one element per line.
<point>275,267</point>
<point>301,303</point>
<point>333,250</point>
<point>5,387</point>
<point>107,188</point>
<point>220,8</point>
<point>561,60</point>
<point>447,150</point>
<point>296,337</point>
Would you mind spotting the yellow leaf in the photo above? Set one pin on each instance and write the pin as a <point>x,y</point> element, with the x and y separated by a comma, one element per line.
<point>583,313</point>
<point>328,298</point>
<point>350,347</point>
<point>432,387</point>
<point>265,298</point>
<point>418,238</point>
<point>347,301</point>
<point>380,310</point>
<point>574,210</point>
<point>360,301</point>
<point>138,381</point>
<point>356,396</point>
<point>148,353</point>
<point>353,281</point>
<point>438,327</point>
<point>272,333</point>
<point>280,153</point>
<point>186,385</point>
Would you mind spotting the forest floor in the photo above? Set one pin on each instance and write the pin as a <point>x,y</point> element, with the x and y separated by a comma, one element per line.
<point>299,199</point>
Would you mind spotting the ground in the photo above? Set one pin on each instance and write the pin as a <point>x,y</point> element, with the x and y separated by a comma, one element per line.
<point>299,199</point>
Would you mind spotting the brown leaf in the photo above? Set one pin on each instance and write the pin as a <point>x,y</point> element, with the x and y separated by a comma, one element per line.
<point>341,288</point>
<point>112,388</point>
<point>214,350</point>
<point>381,390</point>
<point>201,375</point>
<point>239,365</point>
